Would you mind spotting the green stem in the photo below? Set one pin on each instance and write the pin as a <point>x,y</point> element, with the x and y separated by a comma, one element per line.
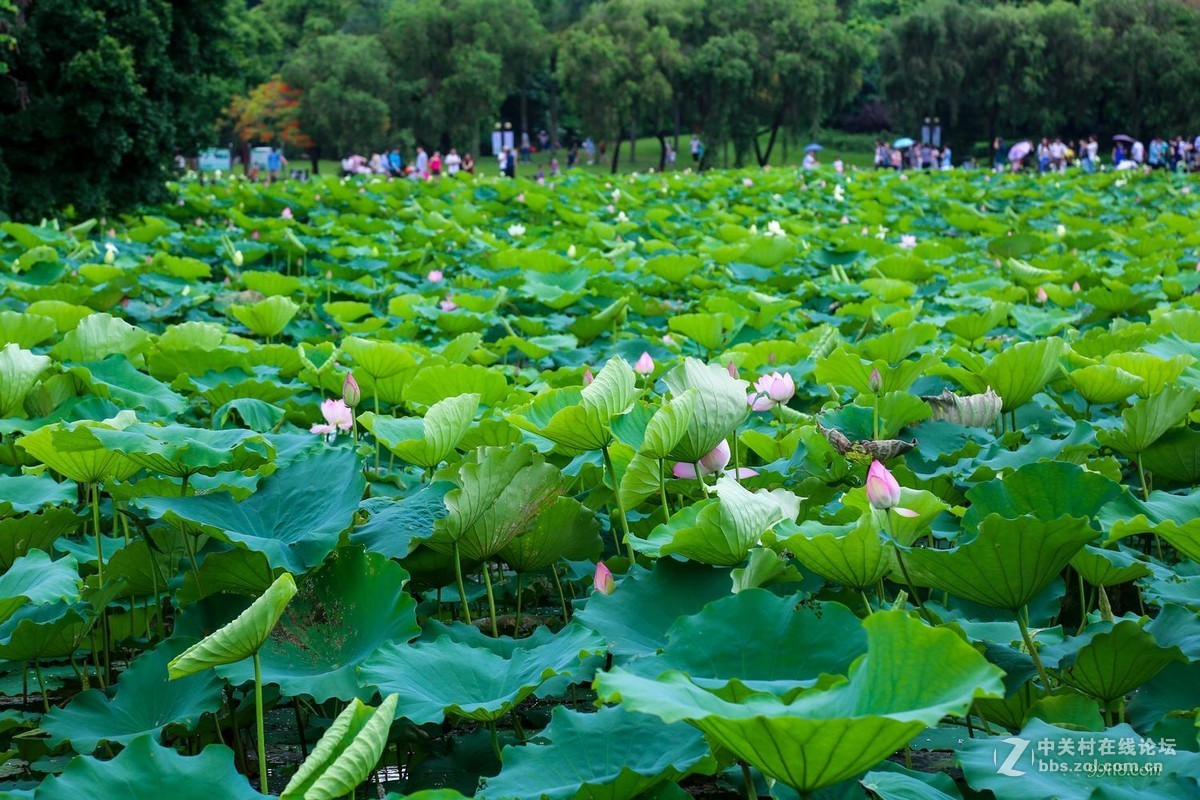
<point>487,581</point>
<point>99,536</point>
<point>495,739</point>
<point>866,602</point>
<point>37,670</point>
<point>1033,653</point>
<point>608,465</point>
<point>875,418</point>
<point>462,589</point>
<point>1142,475</point>
<point>375,397</point>
<point>662,490</point>
<point>517,624</point>
<point>562,598</point>
<point>748,780</point>
<point>258,719</point>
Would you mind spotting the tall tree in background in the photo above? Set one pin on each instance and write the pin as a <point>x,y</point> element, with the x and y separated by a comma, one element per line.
<point>344,79</point>
<point>99,95</point>
<point>270,113</point>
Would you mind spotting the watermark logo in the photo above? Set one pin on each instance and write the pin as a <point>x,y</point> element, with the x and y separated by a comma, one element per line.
<point>1019,746</point>
<point>1092,756</point>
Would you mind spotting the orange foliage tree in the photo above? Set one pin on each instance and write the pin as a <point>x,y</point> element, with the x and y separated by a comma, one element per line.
<point>269,113</point>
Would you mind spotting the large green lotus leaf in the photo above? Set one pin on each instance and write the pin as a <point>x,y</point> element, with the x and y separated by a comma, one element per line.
<point>1103,383</point>
<point>1019,372</point>
<point>852,555</point>
<point>640,752</point>
<point>926,506</point>
<point>25,330</point>
<point>582,419</point>
<point>234,571</point>
<point>1175,456</point>
<point>440,381</point>
<point>589,327</point>
<point>118,380</point>
<point>341,614</point>
<point>65,315</point>
<point>36,580</point>
<point>425,442</point>
<point>346,755</point>
<point>1006,564</point>
<point>723,532</point>
<point>1066,773</point>
<point>281,519</point>
<point>143,703</point>
<point>641,479</point>
<point>379,360</point>
<point>1176,518</point>
<point>257,415</point>
<point>24,493</point>
<point>567,529</point>
<point>1153,373</point>
<point>668,426</point>
<point>635,618</point>
<point>71,450</point>
<point>710,331</point>
<point>501,493</point>
<point>1103,567</point>
<point>902,785</point>
<point>241,637</point>
<point>29,532</point>
<point>267,317</point>
<point>395,527</point>
<point>1148,419</point>
<point>911,677</point>
<point>53,630</point>
<point>99,336</point>
<point>842,367</point>
<point>1117,661</point>
<point>445,676</point>
<point>1046,489</point>
<point>147,769</point>
<point>762,642</point>
<point>19,371</point>
<point>181,450</point>
<point>719,408</point>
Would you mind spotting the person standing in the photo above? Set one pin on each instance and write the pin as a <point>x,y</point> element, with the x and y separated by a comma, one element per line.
<point>696,149</point>
<point>395,163</point>
<point>509,163</point>
<point>1137,153</point>
<point>1091,154</point>
<point>453,162</point>
<point>1058,155</point>
<point>468,164</point>
<point>422,162</point>
<point>435,165</point>
<point>999,157</point>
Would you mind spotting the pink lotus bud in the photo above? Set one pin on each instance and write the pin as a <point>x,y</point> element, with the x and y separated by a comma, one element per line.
<point>1075,287</point>
<point>883,491</point>
<point>350,391</point>
<point>644,365</point>
<point>714,460</point>
<point>732,369</point>
<point>448,304</point>
<point>603,580</point>
<point>254,235</point>
<point>1041,295</point>
<point>328,274</point>
<point>434,276</point>
<point>668,339</point>
<point>588,377</point>
<point>875,381</point>
<point>286,213</point>
<point>521,197</point>
<point>908,242</point>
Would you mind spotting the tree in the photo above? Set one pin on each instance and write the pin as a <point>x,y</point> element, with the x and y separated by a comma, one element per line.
<point>99,95</point>
<point>342,78</point>
<point>268,113</point>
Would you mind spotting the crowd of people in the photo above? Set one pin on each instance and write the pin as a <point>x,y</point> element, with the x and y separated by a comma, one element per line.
<point>913,155</point>
<point>1178,154</point>
<point>423,166</point>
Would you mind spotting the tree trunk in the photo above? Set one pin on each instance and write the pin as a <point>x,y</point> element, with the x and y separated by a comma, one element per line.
<point>662,151</point>
<point>764,160</point>
<point>524,116</point>
<point>616,151</point>
<point>677,115</point>
<point>633,134</point>
<point>315,157</point>
<point>553,111</point>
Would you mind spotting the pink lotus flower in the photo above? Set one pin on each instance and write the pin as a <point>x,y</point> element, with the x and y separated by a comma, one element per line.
<point>1041,295</point>
<point>875,381</point>
<point>521,197</point>
<point>845,220</point>
<point>747,182</point>
<point>732,369</point>
<point>883,491</point>
<point>1075,287</point>
<point>908,242</point>
<point>603,580</point>
<point>338,416</point>
<point>286,213</point>
<point>644,365</point>
<point>712,462</point>
<point>448,304</point>
<point>668,339</point>
<point>254,235</point>
<point>434,276</point>
<point>771,390</point>
<point>588,377</point>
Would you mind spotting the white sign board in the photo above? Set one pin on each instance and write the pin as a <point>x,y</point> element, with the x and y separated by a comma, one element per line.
<point>260,155</point>
<point>215,158</point>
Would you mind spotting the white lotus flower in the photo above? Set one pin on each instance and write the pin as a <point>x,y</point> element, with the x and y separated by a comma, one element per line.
<point>516,230</point>
<point>110,252</point>
<point>775,229</point>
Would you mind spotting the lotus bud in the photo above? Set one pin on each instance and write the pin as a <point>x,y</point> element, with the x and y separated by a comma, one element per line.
<point>732,369</point>
<point>883,491</point>
<point>603,580</point>
<point>350,391</point>
<point>875,381</point>
<point>286,213</point>
<point>238,258</point>
<point>588,377</point>
<point>571,251</point>
<point>1041,295</point>
<point>435,276</point>
<point>110,253</point>
<point>328,274</point>
<point>1075,287</point>
<point>644,365</point>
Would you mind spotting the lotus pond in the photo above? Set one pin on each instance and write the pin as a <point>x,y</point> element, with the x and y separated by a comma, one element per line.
<point>722,486</point>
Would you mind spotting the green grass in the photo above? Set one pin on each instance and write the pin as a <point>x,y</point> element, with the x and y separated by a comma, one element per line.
<point>854,149</point>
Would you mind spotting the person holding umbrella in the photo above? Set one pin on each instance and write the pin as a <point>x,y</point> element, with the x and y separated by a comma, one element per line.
<point>1017,154</point>
<point>1120,154</point>
<point>810,156</point>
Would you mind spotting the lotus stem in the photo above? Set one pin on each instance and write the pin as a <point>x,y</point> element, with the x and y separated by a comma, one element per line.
<point>495,739</point>
<point>1145,486</point>
<point>462,589</point>
<point>487,581</point>
<point>608,466</point>
<point>517,624</point>
<point>748,779</point>
<point>875,417</point>
<point>99,537</point>
<point>1032,648</point>
<point>37,670</point>
<point>866,602</point>
<point>562,598</point>
<point>258,721</point>
<point>375,397</point>
<point>662,490</point>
